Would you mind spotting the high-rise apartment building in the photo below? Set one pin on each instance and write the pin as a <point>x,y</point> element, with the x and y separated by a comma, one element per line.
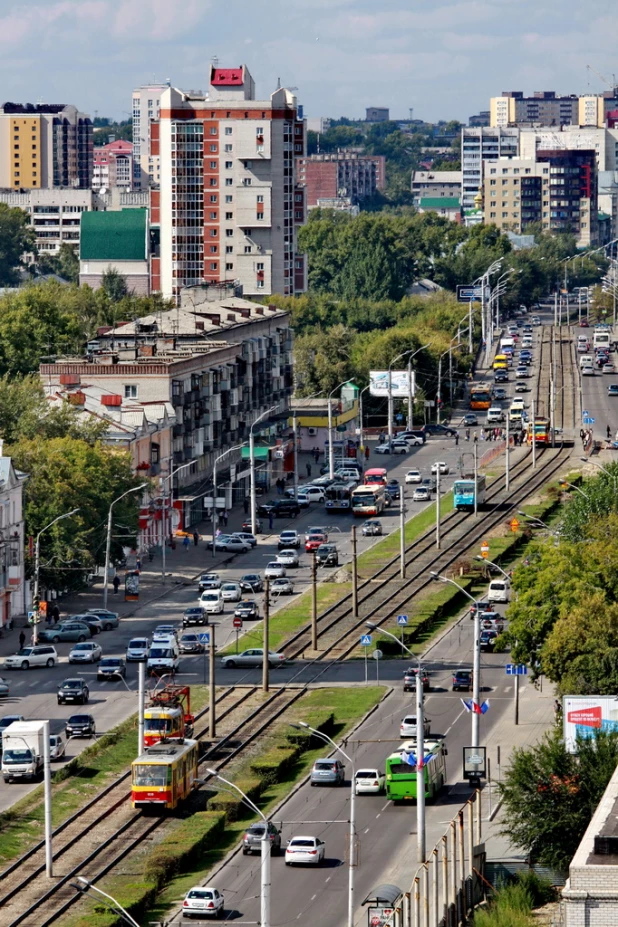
<point>479,145</point>
<point>547,108</point>
<point>146,107</point>
<point>228,205</point>
<point>113,165</point>
<point>44,145</point>
<point>344,174</point>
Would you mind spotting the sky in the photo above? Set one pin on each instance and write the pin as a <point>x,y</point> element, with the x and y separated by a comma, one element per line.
<point>442,59</point>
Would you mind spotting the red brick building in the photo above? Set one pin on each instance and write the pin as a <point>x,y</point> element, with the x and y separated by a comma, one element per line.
<point>344,174</point>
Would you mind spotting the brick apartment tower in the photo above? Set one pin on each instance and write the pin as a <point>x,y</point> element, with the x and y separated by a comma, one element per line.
<point>228,206</point>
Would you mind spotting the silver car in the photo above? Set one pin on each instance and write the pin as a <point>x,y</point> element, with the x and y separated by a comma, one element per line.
<point>253,657</point>
<point>57,746</point>
<point>231,592</point>
<point>274,570</point>
<point>288,558</point>
<point>86,652</point>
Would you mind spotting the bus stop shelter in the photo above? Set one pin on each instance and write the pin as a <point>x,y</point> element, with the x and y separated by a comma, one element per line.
<point>385,906</point>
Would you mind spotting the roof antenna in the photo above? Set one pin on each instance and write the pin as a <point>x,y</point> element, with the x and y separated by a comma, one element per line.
<point>215,61</point>
<point>278,83</point>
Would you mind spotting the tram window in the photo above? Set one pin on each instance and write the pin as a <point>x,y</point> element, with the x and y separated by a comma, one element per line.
<point>146,775</point>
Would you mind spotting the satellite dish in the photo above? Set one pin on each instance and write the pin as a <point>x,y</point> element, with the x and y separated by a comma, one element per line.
<point>102,191</point>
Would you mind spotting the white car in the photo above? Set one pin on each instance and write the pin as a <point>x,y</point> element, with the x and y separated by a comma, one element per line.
<point>137,651</point>
<point>209,581</point>
<point>382,448</point>
<point>165,631</point>
<point>441,467</point>
<point>246,536</point>
<point>231,544</point>
<point>400,447</point>
<point>204,901</point>
<point>282,586</point>
<point>288,558</point>
<point>517,404</point>
<point>289,539</point>
<point>588,371</point>
<point>35,655</point>
<point>408,729</point>
<point>414,476</point>
<point>609,368</point>
<point>57,746</point>
<point>85,652</point>
<point>314,493</point>
<point>253,657</point>
<point>369,782</point>
<point>274,570</point>
<point>211,601</point>
<point>412,440</point>
<point>231,592</point>
<point>309,850</point>
<point>421,494</point>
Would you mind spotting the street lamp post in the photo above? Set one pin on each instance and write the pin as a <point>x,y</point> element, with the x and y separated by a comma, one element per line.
<point>115,906</point>
<point>252,468</point>
<point>352,834</point>
<point>360,412</point>
<point>492,564</point>
<point>170,477</point>
<point>331,449</point>
<point>215,516</point>
<point>603,469</point>
<point>265,850</point>
<point>108,544</point>
<point>476,667</point>
<point>410,390</point>
<point>37,565</point>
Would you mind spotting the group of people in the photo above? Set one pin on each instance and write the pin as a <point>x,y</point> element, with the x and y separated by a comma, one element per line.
<point>517,437</point>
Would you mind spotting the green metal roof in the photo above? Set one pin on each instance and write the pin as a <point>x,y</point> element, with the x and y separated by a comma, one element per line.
<point>439,202</point>
<point>260,453</point>
<point>116,235</point>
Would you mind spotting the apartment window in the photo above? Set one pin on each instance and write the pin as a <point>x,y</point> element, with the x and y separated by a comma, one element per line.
<point>259,265</point>
<point>229,215</point>
<point>246,182</point>
<point>213,233</point>
<point>213,197</point>
<point>505,215</point>
<point>260,149</point>
<point>213,148</point>
<point>213,130</point>
<point>259,284</point>
<point>213,181</point>
<point>528,170</point>
<point>229,249</point>
<point>298,214</point>
<point>213,215</point>
<point>259,198</point>
<point>259,216</point>
<point>228,181</point>
<point>492,171</point>
<point>229,267</point>
<point>228,148</point>
<point>213,265</point>
<point>248,164</point>
<point>229,165</point>
<point>229,233</point>
<point>516,170</point>
<point>493,183</point>
<point>130,391</point>
<point>259,130</point>
<point>229,198</point>
<point>247,249</point>
<point>228,130</point>
<point>213,249</point>
<point>213,165</point>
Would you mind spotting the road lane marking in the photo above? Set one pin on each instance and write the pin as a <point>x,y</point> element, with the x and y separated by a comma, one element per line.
<point>385,807</point>
<point>366,831</point>
<point>454,722</point>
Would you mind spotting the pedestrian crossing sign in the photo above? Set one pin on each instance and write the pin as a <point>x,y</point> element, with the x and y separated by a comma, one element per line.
<point>365,640</point>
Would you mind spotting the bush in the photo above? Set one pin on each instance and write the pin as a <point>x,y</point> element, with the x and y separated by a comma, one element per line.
<point>275,765</point>
<point>181,849</point>
<point>232,805</point>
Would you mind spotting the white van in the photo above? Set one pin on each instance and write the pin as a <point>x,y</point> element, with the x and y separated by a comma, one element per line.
<point>586,360</point>
<point>495,415</point>
<point>163,657</point>
<point>211,601</point>
<point>498,590</point>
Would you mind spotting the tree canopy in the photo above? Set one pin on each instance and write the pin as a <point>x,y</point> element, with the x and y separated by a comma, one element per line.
<point>16,239</point>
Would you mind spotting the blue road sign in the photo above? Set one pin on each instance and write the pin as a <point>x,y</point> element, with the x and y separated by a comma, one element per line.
<point>588,420</point>
<point>516,669</point>
<point>365,640</point>
<point>204,637</point>
<point>30,614</point>
<point>585,412</point>
<point>402,619</point>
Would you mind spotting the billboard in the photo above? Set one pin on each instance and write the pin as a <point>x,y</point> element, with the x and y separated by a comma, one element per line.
<point>466,294</point>
<point>378,383</point>
<point>584,715</point>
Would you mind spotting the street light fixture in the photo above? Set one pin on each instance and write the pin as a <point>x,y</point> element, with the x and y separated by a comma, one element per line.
<point>331,450</point>
<point>603,469</point>
<point>492,564</point>
<point>252,465</point>
<point>302,725</point>
<point>169,477</point>
<point>576,488</point>
<point>37,561</point>
<point>215,514</point>
<point>115,906</point>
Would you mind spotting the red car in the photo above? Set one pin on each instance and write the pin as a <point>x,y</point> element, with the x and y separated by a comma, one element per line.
<point>584,324</point>
<point>315,541</point>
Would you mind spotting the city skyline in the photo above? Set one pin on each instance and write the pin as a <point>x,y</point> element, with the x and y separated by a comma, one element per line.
<point>342,55</point>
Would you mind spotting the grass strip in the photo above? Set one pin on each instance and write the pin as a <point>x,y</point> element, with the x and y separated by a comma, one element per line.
<point>157,879</point>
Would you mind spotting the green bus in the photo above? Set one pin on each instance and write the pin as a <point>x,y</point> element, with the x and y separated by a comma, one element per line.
<point>401,775</point>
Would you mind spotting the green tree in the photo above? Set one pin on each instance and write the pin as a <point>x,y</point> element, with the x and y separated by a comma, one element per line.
<point>16,239</point>
<point>550,795</point>
<point>65,263</point>
<point>323,359</point>
<point>114,285</point>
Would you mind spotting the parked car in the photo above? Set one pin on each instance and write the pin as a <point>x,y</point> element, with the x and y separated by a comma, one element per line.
<point>246,536</point>
<point>203,901</point>
<point>209,581</point>
<point>254,835</point>
<point>251,582</point>
<point>399,447</point>
<point>247,527</point>
<point>282,586</point>
<point>37,655</point>
<point>612,389</point>
<point>230,544</point>
<point>440,431</point>
<point>68,631</point>
<point>231,592</point>
<point>369,781</point>
<point>253,657</point>
<point>462,681</point>
<point>247,609</point>
<point>109,620</point>
<point>190,643</point>
<point>73,690</point>
<point>4,688</point>
<point>409,679</point>
<point>57,746</point>
<point>195,615</point>
<point>371,528</point>
<point>327,555</point>
<point>309,850</point>
<point>328,772</point>
<point>288,558</point>
<point>7,721</point>
<point>86,652</point>
<point>314,493</point>
<point>111,668</point>
<point>284,508</point>
<point>288,539</point>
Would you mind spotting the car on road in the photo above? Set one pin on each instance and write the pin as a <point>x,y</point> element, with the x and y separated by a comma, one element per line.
<point>413,476</point>
<point>369,781</point>
<point>440,431</point>
<point>522,373</point>
<point>501,376</point>
<point>313,493</point>
<point>247,609</point>
<point>316,529</point>
<point>190,643</point>
<point>284,508</point>
<point>253,657</point>
<point>195,615</point>
<point>393,488</point>
<point>584,323</point>
<point>246,526</point>
<point>495,415</point>
<point>86,652</point>
<point>487,640</point>
<point>57,746</point>
<point>483,605</point>
<point>409,679</point>
<point>518,404</point>
<point>609,368</point>
<point>231,592</point>
<point>203,901</point>
<point>416,437</point>
<point>251,582</point>
<point>469,420</point>
<point>308,850</point>
<point>282,586</point>
<point>246,536</point>
<point>408,727</point>
<point>612,389</point>
<point>521,387</point>
<point>392,448</point>
<point>421,494</point>
<point>315,541</point>
<point>462,681</point>
<point>111,668</point>
<point>165,631</point>
<point>371,528</point>
<point>4,688</point>
<point>587,370</point>
<point>8,720</point>
<point>37,655</point>
<point>274,570</point>
<point>209,581</point>
<point>68,631</point>
<point>230,544</point>
<point>211,601</point>
<point>401,446</point>
<point>499,393</point>
<point>288,558</point>
<point>327,555</point>
<point>254,835</point>
<point>288,539</point>
<point>327,772</point>
<point>81,726</point>
<point>73,690</point>
<point>93,621</point>
<point>109,620</point>
<point>441,467</point>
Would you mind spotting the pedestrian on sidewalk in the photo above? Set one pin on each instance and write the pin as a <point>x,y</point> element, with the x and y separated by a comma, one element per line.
<point>224,517</point>
<point>467,434</point>
<point>245,505</point>
<point>308,469</point>
<point>138,564</point>
<point>116,583</point>
<point>367,452</point>
<point>456,438</point>
<point>196,538</point>
<point>316,454</point>
<point>55,614</point>
<point>22,640</point>
<point>186,542</point>
<point>270,521</point>
<point>475,438</point>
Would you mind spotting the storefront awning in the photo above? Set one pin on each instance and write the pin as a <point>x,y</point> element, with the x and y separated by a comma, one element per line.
<point>259,453</point>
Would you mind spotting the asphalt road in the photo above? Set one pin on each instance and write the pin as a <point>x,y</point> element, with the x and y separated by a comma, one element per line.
<point>594,399</point>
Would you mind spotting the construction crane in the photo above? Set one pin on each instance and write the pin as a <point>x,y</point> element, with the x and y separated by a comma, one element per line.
<point>611,85</point>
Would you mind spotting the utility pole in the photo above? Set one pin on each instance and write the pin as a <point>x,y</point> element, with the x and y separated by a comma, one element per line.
<point>438,508</point>
<point>476,675</point>
<point>354,575</point>
<point>532,410</point>
<point>476,480</point>
<point>295,429</point>
<point>314,602</point>
<point>402,535</point>
<point>507,454</point>
<point>266,641</point>
<point>212,721</point>
<point>516,700</point>
<point>141,697</point>
<point>420,774</point>
<point>552,412</point>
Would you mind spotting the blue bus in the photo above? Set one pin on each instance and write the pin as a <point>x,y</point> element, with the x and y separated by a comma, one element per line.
<point>463,493</point>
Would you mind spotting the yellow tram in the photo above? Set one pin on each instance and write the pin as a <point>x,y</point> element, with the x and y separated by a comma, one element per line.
<point>164,774</point>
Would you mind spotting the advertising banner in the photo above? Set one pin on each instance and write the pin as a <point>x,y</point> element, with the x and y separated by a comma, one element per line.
<point>378,383</point>
<point>584,715</point>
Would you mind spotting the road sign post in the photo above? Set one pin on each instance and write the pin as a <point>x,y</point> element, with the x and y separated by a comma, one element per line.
<point>514,525</point>
<point>237,623</point>
<point>484,550</point>
<point>516,670</point>
<point>365,642</point>
<point>377,656</point>
<point>402,621</point>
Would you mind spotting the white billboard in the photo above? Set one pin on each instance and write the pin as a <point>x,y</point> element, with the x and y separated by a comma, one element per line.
<point>584,715</point>
<point>378,383</point>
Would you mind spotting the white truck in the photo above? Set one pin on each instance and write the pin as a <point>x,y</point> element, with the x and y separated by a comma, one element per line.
<point>22,750</point>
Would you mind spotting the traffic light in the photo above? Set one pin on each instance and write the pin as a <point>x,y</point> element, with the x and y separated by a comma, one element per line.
<point>36,604</point>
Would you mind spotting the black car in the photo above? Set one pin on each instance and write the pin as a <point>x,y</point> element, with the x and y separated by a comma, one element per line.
<point>327,555</point>
<point>470,419</point>
<point>462,679</point>
<point>251,582</point>
<point>247,608</point>
<point>73,690</point>
<point>501,376</point>
<point>194,615</point>
<point>81,726</point>
<point>111,668</point>
<point>488,640</point>
<point>393,489</point>
<point>440,431</point>
<point>284,508</point>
